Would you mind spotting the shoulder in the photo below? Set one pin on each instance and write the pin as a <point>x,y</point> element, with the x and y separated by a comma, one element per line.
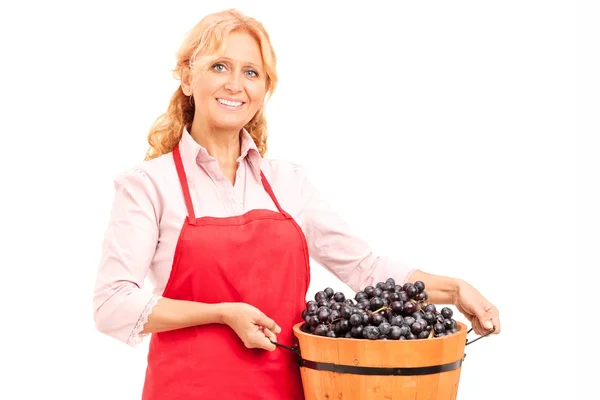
<point>281,169</point>
<point>148,175</point>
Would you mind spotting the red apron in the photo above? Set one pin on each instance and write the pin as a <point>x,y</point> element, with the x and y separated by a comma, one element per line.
<point>259,258</point>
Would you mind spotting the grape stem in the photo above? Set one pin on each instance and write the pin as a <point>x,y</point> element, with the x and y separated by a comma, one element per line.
<point>381,309</point>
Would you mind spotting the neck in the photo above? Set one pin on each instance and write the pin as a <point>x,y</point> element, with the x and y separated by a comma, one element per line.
<point>223,145</point>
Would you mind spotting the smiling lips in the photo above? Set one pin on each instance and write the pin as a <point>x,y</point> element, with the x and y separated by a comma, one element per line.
<point>231,104</point>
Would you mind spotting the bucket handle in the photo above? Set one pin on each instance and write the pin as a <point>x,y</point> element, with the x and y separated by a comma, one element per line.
<point>482,336</point>
<point>295,350</point>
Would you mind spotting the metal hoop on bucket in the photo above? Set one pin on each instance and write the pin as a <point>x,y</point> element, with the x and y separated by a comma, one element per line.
<point>363,370</point>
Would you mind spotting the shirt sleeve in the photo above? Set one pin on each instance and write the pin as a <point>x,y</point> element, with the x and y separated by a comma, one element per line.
<point>336,247</point>
<point>121,304</point>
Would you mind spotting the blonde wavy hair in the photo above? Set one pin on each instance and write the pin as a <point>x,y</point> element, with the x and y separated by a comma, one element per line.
<point>207,37</point>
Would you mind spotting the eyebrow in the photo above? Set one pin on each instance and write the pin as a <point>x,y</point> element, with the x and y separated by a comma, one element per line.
<point>244,62</point>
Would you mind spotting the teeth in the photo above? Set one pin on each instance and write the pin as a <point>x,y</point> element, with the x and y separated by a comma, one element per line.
<point>230,103</point>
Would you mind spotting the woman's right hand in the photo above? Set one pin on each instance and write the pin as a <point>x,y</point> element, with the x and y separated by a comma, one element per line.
<point>253,327</point>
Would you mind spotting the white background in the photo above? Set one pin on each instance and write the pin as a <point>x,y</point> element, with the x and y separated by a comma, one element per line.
<point>444,132</point>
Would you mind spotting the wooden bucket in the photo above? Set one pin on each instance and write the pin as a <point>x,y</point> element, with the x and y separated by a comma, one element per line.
<point>362,369</point>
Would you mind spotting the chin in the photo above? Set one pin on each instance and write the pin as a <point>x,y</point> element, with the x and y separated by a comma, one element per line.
<point>229,125</point>
<point>229,122</point>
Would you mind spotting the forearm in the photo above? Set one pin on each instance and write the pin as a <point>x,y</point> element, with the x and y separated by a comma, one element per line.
<point>169,314</point>
<point>440,289</point>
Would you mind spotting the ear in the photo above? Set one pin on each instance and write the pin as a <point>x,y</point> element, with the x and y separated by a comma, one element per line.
<point>186,81</point>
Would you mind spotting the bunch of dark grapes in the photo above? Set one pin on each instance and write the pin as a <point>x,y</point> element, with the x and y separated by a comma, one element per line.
<point>386,311</point>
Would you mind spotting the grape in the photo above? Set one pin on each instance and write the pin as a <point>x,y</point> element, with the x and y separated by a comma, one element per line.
<point>412,291</point>
<point>431,308</point>
<point>416,328</point>
<point>394,296</point>
<point>396,320</point>
<point>339,297</point>
<point>312,309</point>
<point>385,328</point>
<point>364,303</point>
<point>323,303</point>
<point>429,317</point>
<point>391,281</point>
<point>321,330</point>
<point>403,297</point>
<point>376,319</point>
<point>346,312</point>
<point>410,336</point>
<point>420,286</point>
<point>333,315</point>
<point>409,308</point>
<point>397,307</point>
<point>355,320</point>
<point>320,296</point>
<point>395,333</point>
<point>377,292</point>
<point>330,334</point>
<point>323,314</point>
<point>423,335</point>
<point>404,330</point>
<point>369,291</point>
<point>348,335</point>
<point>376,303</point>
<point>345,325</point>
<point>387,314</point>
<point>370,332</point>
<point>356,331</point>
<point>438,328</point>
<point>329,292</point>
<point>409,321</point>
<point>360,295</point>
<point>448,324</point>
<point>380,285</point>
<point>446,313</point>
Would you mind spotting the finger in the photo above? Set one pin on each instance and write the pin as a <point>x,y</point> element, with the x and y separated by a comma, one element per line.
<point>268,323</point>
<point>495,321</point>
<point>477,327</point>
<point>270,335</point>
<point>483,317</point>
<point>265,343</point>
<point>260,340</point>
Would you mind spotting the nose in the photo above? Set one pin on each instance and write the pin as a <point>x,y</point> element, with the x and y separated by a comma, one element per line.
<point>234,83</point>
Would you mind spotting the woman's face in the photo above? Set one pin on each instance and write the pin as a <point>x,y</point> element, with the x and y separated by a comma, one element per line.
<point>231,90</point>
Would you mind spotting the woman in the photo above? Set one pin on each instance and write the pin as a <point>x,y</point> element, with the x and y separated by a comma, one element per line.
<point>225,235</point>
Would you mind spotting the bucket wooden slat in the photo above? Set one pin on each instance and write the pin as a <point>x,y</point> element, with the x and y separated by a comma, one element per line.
<point>381,353</point>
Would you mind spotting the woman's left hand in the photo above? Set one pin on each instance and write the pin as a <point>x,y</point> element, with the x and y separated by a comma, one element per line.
<point>482,314</point>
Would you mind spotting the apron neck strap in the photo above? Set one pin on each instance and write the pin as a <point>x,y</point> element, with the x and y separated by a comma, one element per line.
<point>268,189</point>
<point>184,185</point>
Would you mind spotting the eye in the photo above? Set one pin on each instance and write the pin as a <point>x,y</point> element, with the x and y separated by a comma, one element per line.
<point>252,73</point>
<point>219,67</point>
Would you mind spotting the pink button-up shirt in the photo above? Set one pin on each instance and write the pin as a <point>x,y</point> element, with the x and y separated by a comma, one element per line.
<point>149,210</point>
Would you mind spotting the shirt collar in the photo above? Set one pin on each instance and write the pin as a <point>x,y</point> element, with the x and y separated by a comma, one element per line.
<point>198,154</point>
